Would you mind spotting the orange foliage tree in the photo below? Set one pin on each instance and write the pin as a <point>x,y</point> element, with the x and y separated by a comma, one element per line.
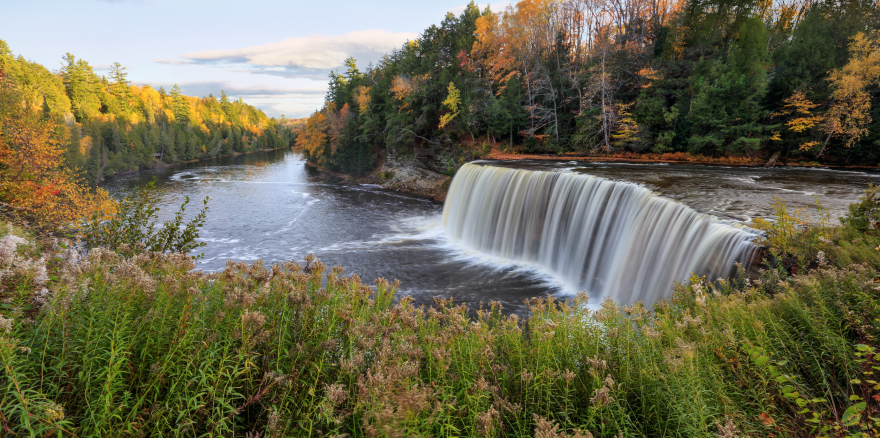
<point>33,177</point>
<point>313,135</point>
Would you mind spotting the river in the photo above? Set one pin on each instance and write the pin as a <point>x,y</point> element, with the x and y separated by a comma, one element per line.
<point>271,206</point>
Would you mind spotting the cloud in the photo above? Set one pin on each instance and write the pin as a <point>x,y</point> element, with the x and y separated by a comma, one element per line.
<point>495,7</point>
<point>204,88</point>
<point>174,61</point>
<point>274,101</point>
<point>303,56</point>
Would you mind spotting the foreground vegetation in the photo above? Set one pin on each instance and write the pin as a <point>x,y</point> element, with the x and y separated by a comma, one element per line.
<point>141,345</point>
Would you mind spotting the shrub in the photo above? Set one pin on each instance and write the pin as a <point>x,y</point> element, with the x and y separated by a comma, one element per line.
<point>864,215</point>
<point>795,237</point>
<point>133,229</point>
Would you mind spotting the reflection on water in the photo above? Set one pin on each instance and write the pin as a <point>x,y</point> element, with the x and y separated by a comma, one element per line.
<point>272,206</point>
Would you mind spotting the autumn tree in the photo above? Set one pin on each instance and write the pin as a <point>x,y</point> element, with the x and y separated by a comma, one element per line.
<point>312,137</point>
<point>800,118</point>
<point>849,113</point>
<point>451,104</point>
<point>33,177</point>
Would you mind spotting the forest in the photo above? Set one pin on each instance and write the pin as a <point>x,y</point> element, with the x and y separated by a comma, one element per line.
<point>718,78</point>
<point>108,125</point>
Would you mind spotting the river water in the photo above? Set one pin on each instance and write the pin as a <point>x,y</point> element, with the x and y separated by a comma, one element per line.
<point>271,206</point>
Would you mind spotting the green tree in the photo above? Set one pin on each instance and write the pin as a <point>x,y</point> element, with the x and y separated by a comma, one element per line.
<point>727,110</point>
<point>180,106</point>
<point>80,82</point>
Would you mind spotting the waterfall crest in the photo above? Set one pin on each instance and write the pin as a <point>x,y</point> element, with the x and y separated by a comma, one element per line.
<point>607,237</point>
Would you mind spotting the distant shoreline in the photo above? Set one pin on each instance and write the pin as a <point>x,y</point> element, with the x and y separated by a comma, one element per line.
<point>164,165</point>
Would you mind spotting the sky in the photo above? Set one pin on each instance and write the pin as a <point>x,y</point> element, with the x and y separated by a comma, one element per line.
<point>275,55</point>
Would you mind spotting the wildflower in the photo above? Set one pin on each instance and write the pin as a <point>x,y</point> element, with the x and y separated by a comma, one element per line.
<point>55,412</point>
<point>252,321</point>
<point>335,393</point>
<point>352,363</point>
<point>601,396</point>
<point>6,325</point>
<point>650,333</point>
<point>8,245</point>
<point>609,381</point>
<point>486,422</point>
<point>699,296</point>
<point>240,297</point>
<point>728,430</point>
<point>38,267</point>
<point>507,406</point>
<point>689,321</point>
<point>598,364</point>
<point>481,385</point>
<point>277,378</point>
<point>568,376</point>
<point>136,276</point>
<point>272,428</point>
<point>527,375</point>
<point>545,429</point>
<point>820,258</point>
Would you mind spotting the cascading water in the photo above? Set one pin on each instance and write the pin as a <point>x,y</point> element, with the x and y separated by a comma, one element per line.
<point>609,238</point>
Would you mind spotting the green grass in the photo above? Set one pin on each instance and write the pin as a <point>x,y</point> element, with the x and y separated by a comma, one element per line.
<point>142,346</point>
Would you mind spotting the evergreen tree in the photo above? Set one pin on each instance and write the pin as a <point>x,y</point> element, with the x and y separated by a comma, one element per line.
<point>727,109</point>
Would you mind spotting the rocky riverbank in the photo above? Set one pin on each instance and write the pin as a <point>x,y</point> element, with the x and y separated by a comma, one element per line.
<point>419,174</point>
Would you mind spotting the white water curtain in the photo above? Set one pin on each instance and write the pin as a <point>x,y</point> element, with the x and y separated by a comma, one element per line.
<point>609,238</point>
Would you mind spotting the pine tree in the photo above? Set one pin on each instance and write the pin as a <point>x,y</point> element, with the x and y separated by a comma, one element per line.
<point>727,106</point>
<point>180,106</point>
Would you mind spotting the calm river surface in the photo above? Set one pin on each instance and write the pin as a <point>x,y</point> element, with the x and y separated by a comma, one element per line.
<point>272,206</point>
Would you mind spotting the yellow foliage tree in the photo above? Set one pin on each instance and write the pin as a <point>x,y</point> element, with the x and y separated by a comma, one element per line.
<point>362,97</point>
<point>800,110</point>
<point>452,102</point>
<point>850,111</point>
<point>313,135</point>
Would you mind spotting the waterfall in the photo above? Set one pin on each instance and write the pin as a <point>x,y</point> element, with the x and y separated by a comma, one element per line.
<point>609,238</point>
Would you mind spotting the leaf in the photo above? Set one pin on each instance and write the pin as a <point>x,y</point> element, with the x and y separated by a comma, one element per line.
<point>765,419</point>
<point>863,347</point>
<point>852,414</point>
<point>761,361</point>
<point>854,397</point>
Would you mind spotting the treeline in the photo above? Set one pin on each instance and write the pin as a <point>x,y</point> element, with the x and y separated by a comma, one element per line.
<point>710,77</point>
<point>117,126</point>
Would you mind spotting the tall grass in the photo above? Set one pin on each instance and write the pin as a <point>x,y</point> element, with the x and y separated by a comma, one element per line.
<point>144,346</point>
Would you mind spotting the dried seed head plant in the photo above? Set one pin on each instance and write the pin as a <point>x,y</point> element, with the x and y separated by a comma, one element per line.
<point>251,348</point>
